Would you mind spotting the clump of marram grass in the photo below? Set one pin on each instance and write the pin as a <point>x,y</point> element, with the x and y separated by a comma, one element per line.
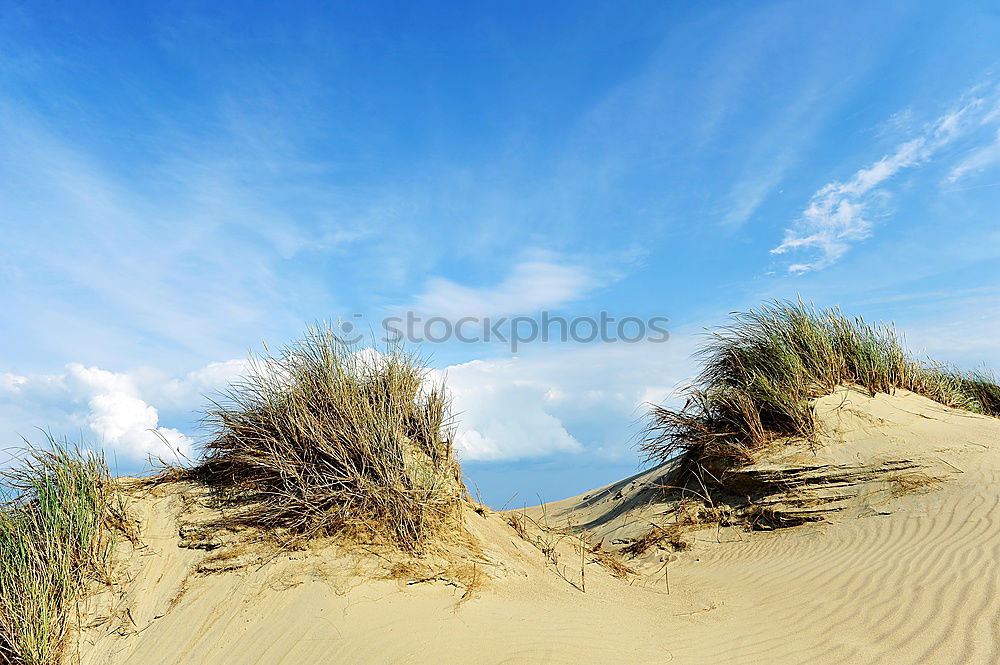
<point>326,439</point>
<point>763,371</point>
<point>55,534</point>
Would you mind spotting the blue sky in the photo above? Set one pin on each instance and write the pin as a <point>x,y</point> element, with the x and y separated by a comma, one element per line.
<point>180,182</point>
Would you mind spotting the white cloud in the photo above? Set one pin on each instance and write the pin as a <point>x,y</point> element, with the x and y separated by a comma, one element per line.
<point>774,151</point>
<point>12,382</point>
<point>977,161</point>
<point>192,389</point>
<point>118,416</point>
<point>502,412</point>
<point>839,214</point>
<point>71,215</point>
<point>531,286</point>
<point>120,412</point>
<point>562,402</point>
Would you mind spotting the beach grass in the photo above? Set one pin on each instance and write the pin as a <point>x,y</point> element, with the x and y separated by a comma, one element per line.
<point>324,438</point>
<point>55,535</point>
<point>762,371</point>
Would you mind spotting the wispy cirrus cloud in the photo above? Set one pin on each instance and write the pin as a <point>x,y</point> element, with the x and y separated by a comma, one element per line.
<point>977,160</point>
<point>840,213</point>
<point>530,286</point>
<point>771,155</point>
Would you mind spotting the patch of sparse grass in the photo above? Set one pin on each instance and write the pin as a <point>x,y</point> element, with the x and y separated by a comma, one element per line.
<point>611,562</point>
<point>324,439</point>
<point>763,371</point>
<point>548,539</point>
<point>55,534</point>
<point>906,483</point>
<point>658,536</point>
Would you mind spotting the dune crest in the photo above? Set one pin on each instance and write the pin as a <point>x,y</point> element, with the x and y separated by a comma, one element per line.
<point>892,561</point>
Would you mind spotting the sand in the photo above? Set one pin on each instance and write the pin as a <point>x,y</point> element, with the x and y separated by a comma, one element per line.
<point>899,566</point>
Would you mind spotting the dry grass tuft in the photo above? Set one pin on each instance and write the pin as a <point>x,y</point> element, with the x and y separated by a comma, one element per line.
<point>57,531</point>
<point>466,576</point>
<point>326,439</point>
<point>762,372</point>
<point>518,522</point>
<point>548,539</point>
<point>611,562</point>
<point>670,535</point>
<point>907,483</point>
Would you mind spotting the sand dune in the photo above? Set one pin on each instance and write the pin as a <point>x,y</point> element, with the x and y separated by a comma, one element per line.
<point>895,561</point>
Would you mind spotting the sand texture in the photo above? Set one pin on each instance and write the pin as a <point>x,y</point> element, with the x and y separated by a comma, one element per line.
<point>878,544</point>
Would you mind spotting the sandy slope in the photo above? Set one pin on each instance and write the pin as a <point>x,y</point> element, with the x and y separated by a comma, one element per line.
<point>902,569</point>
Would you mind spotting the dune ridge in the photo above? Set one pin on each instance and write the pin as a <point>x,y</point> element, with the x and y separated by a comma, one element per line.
<point>888,573</point>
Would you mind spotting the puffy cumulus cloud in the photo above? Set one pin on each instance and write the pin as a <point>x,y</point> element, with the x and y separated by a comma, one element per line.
<point>583,400</point>
<point>504,412</point>
<point>118,416</point>
<point>570,401</point>
<point>190,391</point>
<point>120,411</point>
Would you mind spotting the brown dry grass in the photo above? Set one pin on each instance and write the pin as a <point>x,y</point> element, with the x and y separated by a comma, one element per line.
<point>467,576</point>
<point>658,536</point>
<point>611,561</point>
<point>327,439</point>
<point>916,481</point>
<point>547,539</point>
